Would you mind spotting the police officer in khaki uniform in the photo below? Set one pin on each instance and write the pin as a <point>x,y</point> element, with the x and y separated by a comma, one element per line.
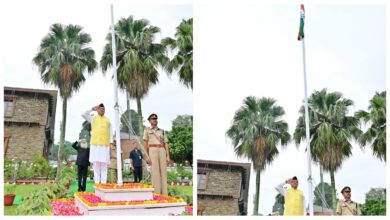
<point>346,206</point>
<point>112,167</point>
<point>156,148</point>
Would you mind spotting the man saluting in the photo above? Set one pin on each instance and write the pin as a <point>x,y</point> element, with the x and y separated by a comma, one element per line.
<point>101,138</point>
<point>293,197</point>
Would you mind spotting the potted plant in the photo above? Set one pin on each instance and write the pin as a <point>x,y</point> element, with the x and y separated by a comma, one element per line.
<point>9,194</point>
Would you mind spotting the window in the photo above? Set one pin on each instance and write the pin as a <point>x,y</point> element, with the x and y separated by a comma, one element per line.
<point>9,106</point>
<point>202,180</point>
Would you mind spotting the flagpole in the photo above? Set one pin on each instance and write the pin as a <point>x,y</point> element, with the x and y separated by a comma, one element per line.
<point>308,151</point>
<point>117,130</point>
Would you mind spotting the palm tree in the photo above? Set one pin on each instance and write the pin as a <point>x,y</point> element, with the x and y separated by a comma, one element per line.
<point>182,61</point>
<point>331,131</point>
<point>138,58</point>
<point>255,132</point>
<point>62,59</point>
<point>376,133</point>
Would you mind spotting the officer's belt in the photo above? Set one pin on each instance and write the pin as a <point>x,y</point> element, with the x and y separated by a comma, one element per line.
<point>156,145</point>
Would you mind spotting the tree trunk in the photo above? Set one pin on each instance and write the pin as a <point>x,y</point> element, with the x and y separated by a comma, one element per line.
<point>128,113</point>
<point>62,139</point>
<point>257,195</point>
<point>322,187</point>
<point>141,135</point>
<point>140,124</point>
<point>334,199</point>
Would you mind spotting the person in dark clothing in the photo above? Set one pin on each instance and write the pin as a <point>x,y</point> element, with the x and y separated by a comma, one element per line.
<point>136,163</point>
<point>82,162</point>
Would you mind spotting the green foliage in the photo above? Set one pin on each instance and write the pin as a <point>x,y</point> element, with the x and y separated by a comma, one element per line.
<point>376,193</point>
<point>184,120</point>
<point>332,131</point>
<point>66,151</point>
<point>375,203</point>
<point>328,195</point>
<point>134,121</point>
<point>279,204</point>
<point>182,173</point>
<point>52,173</point>
<point>24,170</point>
<point>9,169</point>
<point>40,167</point>
<point>374,207</point>
<point>256,131</point>
<point>181,143</point>
<point>376,133</point>
<point>172,176</point>
<point>178,192</point>
<point>68,174</point>
<point>9,188</point>
<point>182,60</point>
<point>37,202</point>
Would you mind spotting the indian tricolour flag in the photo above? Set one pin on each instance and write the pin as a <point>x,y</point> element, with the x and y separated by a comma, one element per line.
<point>301,35</point>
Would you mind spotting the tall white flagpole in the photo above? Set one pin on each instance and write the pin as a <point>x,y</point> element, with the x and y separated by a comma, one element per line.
<point>117,130</point>
<point>309,179</point>
<point>308,150</point>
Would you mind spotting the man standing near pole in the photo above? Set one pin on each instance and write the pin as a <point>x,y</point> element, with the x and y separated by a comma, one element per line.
<point>156,148</point>
<point>301,37</point>
<point>100,142</point>
<point>293,197</point>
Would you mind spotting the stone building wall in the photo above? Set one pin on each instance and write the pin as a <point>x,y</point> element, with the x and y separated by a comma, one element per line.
<point>26,139</point>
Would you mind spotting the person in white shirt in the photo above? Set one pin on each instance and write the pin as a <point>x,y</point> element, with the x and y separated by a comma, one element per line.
<point>101,137</point>
<point>294,199</point>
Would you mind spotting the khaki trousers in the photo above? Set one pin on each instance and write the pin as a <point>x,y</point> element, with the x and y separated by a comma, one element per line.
<point>113,175</point>
<point>158,157</point>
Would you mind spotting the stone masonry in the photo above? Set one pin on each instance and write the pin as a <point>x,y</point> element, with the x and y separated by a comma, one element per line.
<point>222,192</point>
<point>27,125</point>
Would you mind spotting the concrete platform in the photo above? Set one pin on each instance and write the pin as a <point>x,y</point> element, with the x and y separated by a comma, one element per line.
<point>137,210</point>
<point>124,194</point>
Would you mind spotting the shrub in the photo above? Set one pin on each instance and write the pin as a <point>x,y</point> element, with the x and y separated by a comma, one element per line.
<point>172,176</point>
<point>40,167</point>
<point>9,169</point>
<point>36,202</point>
<point>24,170</point>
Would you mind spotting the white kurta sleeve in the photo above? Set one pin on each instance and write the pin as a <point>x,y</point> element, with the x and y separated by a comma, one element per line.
<point>280,188</point>
<point>304,208</point>
<point>87,116</point>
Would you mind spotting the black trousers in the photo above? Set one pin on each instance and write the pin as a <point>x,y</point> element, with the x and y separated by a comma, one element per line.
<point>82,172</point>
<point>137,174</point>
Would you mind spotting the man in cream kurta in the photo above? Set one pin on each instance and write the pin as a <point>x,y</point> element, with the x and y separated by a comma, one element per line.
<point>101,137</point>
<point>294,199</point>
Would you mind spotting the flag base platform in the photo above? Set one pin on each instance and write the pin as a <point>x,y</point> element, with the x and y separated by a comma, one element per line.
<point>135,200</point>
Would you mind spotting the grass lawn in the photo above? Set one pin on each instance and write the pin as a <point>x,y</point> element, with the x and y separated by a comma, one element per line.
<point>186,190</point>
<point>20,191</point>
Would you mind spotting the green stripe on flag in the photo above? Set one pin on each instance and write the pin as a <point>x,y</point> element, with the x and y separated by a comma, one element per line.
<point>301,33</point>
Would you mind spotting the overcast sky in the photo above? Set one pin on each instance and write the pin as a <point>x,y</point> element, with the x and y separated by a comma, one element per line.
<point>168,99</point>
<point>252,50</point>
